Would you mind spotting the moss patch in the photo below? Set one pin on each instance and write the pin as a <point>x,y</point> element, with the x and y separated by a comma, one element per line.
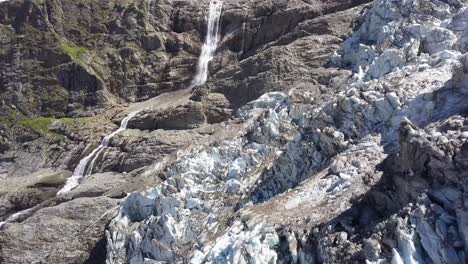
<point>74,51</point>
<point>11,119</point>
<point>41,124</point>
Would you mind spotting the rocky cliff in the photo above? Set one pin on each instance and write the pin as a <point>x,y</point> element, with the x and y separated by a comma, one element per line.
<point>325,132</point>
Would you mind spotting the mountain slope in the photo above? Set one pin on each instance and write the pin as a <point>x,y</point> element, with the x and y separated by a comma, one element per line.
<point>327,132</point>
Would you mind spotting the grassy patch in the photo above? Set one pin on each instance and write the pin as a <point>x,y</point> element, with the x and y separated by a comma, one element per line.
<point>11,119</point>
<point>74,51</point>
<point>41,124</point>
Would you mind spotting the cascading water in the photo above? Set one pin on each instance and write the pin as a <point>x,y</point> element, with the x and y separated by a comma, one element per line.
<point>244,24</point>
<point>211,43</point>
<point>86,165</point>
<point>83,169</point>
<point>15,216</point>
<point>115,237</point>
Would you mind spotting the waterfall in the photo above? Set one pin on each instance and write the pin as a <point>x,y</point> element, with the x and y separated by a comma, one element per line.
<point>86,165</point>
<point>244,24</point>
<point>83,169</point>
<point>14,217</point>
<point>211,43</point>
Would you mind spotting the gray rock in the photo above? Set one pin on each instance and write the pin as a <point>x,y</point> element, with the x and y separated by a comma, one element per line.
<point>188,116</point>
<point>350,152</point>
<point>64,233</point>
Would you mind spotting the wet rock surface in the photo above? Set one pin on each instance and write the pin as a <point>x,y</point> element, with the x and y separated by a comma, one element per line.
<point>327,132</point>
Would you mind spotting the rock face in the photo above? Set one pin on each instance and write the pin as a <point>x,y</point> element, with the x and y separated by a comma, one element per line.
<point>112,51</point>
<point>82,219</point>
<point>327,132</point>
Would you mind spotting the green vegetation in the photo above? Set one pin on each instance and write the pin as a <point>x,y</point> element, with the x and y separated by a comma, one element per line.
<point>11,119</point>
<point>40,124</point>
<point>74,51</point>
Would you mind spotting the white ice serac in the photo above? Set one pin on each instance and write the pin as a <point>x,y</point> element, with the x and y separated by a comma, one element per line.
<point>210,45</point>
<point>83,169</point>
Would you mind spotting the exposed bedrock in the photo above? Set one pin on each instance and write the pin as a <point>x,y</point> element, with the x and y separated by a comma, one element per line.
<point>327,132</point>
<point>343,179</point>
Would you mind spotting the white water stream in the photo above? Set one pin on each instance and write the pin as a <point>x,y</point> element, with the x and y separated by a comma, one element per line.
<point>83,169</point>
<point>86,165</point>
<point>14,217</point>
<point>210,45</point>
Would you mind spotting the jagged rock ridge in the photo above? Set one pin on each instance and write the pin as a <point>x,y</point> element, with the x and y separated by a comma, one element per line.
<point>327,132</point>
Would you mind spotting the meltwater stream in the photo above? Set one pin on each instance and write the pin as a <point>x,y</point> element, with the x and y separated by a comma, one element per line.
<point>210,45</point>
<point>86,165</point>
